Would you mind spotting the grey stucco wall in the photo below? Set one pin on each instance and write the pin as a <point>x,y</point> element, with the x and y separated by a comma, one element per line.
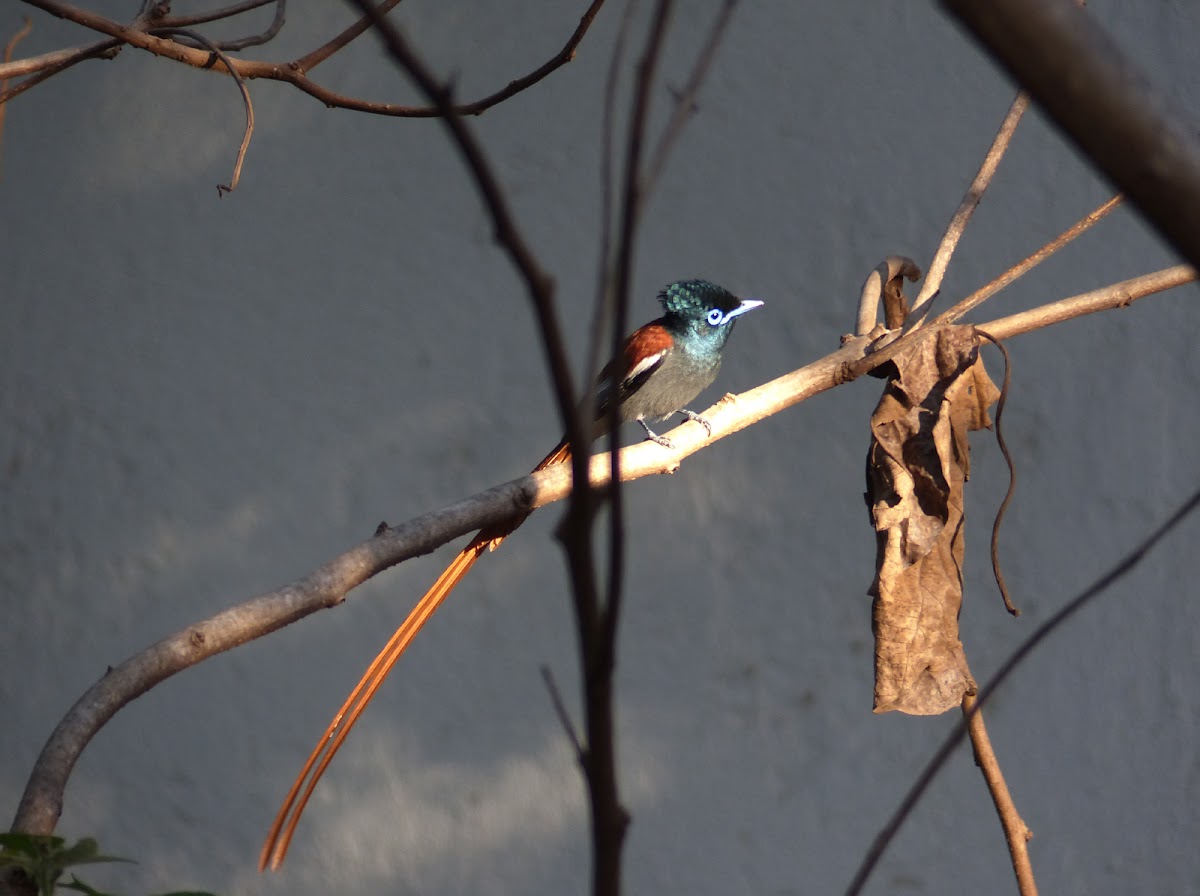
<point>203,399</point>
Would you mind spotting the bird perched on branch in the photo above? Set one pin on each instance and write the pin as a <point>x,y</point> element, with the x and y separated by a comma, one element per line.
<point>662,367</point>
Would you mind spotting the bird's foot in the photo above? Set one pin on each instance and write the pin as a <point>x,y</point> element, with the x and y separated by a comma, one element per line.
<point>655,437</point>
<point>692,415</point>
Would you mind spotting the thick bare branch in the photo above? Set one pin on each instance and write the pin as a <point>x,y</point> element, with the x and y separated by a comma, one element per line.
<point>328,586</point>
<point>1103,103</point>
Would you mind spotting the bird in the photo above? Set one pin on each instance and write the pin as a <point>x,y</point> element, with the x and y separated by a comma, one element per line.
<point>662,366</point>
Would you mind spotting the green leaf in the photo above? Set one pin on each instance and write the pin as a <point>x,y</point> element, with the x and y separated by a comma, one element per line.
<point>30,844</point>
<point>85,852</point>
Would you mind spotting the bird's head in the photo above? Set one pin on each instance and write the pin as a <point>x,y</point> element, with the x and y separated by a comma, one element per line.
<point>703,311</point>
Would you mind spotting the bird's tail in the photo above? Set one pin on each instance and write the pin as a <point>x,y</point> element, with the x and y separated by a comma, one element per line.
<point>279,838</point>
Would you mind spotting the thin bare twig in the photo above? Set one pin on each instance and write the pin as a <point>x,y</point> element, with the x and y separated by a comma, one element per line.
<point>1001,402</point>
<point>981,295</point>
<point>892,344</point>
<point>309,61</point>
<point>1117,572</point>
<point>31,64</point>
<point>602,313</point>
<point>564,718</point>
<point>893,268</point>
<point>21,34</point>
<point>685,101</point>
<point>212,15</point>
<point>630,217</point>
<point>966,208</point>
<point>105,49</point>
<point>565,55</point>
<point>1016,832</point>
<point>598,625</point>
<point>233,46</point>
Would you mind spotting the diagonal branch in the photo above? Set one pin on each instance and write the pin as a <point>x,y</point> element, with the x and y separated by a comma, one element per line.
<point>1016,832</point>
<point>966,208</point>
<point>981,295</point>
<point>309,61</point>
<point>328,585</point>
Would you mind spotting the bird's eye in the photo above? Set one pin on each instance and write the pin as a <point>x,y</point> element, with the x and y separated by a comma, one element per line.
<point>715,316</point>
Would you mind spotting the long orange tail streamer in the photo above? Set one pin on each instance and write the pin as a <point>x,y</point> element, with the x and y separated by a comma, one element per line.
<point>279,838</point>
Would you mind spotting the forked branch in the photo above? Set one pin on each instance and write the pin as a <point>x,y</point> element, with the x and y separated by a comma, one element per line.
<point>328,585</point>
<point>294,72</point>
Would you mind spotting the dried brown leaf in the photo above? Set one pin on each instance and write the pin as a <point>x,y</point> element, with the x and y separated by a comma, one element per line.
<point>917,464</point>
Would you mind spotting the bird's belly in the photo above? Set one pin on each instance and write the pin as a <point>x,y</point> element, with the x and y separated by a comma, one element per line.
<point>667,392</point>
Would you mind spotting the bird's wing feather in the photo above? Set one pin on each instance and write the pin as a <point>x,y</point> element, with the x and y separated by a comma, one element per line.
<point>643,353</point>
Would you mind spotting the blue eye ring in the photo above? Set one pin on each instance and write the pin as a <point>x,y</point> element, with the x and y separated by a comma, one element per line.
<point>715,317</point>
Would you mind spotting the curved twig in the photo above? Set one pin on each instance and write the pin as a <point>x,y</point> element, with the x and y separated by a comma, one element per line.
<point>254,40</point>
<point>328,585</point>
<point>888,273</point>
<point>212,15</point>
<point>222,189</point>
<point>1001,402</point>
<point>20,35</point>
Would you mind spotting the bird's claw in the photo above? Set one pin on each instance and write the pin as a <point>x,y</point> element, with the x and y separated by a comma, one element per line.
<point>697,418</point>
<point>656,438</point>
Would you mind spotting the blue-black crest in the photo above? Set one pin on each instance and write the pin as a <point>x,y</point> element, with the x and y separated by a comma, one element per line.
<point>693,298</point>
